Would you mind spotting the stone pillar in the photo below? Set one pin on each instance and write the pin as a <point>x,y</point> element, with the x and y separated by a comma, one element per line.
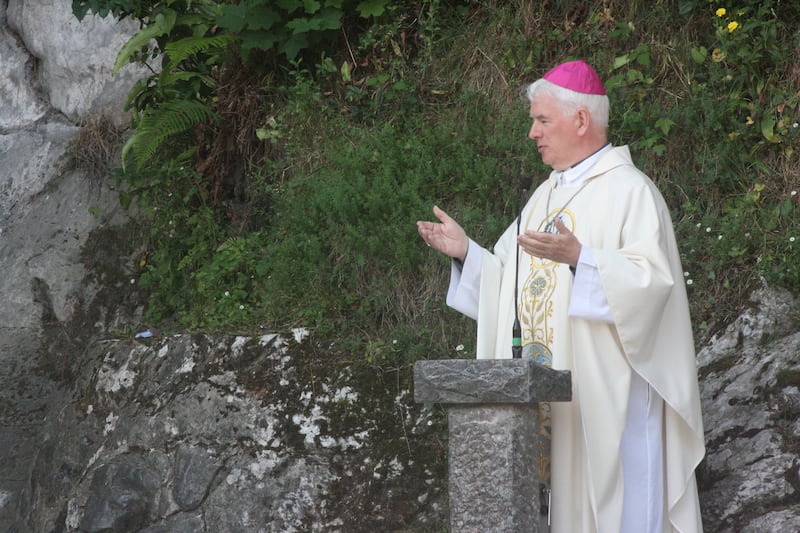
<point>492,412</point>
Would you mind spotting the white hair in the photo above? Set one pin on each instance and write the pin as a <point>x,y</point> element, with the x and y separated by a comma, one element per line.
<point>596,104</point>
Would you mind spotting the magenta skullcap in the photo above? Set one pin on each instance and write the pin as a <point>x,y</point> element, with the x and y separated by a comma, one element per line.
<point>577,76</point>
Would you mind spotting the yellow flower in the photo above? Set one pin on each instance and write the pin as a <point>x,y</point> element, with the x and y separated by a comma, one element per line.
<point>721,12</point>
<point>732,26</point>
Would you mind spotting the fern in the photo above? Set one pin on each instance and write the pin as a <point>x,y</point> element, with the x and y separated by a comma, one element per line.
<point>156,125</point>
<point>182,49</point>
<point>162,24</point>
<point>171,78</point>
<point>167,84</point>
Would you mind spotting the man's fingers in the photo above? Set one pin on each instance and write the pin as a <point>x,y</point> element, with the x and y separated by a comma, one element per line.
<point>561,227</point>
<point>441,215</point>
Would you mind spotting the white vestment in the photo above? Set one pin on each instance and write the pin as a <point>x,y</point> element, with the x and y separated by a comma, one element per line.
<point>644,346</point>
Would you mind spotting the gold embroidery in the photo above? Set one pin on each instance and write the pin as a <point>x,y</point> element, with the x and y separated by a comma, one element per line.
<point>536,314</point>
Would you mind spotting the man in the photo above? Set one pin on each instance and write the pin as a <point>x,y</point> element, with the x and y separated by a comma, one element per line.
<point>600,294</point>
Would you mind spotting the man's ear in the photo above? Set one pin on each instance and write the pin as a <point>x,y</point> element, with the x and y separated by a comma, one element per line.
<point>583,120</point>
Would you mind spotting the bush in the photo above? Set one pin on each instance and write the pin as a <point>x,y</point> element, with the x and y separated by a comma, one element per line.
<point>346,254</point>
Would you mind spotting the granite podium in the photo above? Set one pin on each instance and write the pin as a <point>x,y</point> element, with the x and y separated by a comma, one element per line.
<point>492,410</point>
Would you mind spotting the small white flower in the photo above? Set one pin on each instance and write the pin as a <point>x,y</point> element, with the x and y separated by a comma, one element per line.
<point>689,282</point>
<point>791,239</point>
<point>241,307</point>
<point>685,274</point>
<point>708,229</point>
<point>719,237</point>
<point>795,124</point>
<point>698,224</point>
<point>460,348</point>
<point>227,293</point>
<point>133,281</point>
<point>793,193</point>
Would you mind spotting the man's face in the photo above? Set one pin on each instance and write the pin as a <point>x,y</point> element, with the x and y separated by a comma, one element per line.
<point>555,132</point>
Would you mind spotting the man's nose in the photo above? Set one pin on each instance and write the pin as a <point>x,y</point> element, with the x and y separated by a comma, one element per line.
<point>534,133</point>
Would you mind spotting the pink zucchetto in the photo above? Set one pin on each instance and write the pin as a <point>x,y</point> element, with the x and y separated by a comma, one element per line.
<point>577,76</point>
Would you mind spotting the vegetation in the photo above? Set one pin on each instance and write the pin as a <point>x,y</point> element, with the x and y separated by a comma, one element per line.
<point>283,149</point>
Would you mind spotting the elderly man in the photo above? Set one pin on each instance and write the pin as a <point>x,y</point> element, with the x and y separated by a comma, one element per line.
<point>600,293</point>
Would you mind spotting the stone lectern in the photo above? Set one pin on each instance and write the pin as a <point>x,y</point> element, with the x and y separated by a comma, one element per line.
<point>493,417</point>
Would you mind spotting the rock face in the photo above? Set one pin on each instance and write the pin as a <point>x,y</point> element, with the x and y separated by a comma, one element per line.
<point>102,432</point>
<point>74,60</point>
<point>750,376</point>
<point>196,433</point>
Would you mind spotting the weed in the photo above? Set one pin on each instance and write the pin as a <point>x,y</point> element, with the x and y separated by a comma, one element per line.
<point>95,149</point>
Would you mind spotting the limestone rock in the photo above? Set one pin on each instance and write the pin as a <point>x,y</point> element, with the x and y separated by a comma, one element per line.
<point>234,434</point>
<point>20,104</point>
<point>750,380</point>
<point>75,58</point>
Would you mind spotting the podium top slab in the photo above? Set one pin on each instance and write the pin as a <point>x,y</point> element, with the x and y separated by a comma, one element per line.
<point>489,381</point>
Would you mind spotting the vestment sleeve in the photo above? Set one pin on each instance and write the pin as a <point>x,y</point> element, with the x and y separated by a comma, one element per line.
<point>465,281</point>
<point>589,300</point>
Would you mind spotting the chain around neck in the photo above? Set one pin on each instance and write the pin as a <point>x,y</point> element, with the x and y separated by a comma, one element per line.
<point>550,227</point>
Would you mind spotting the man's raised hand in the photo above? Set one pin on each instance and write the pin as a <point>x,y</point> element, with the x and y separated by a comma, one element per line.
<point>445,236</point>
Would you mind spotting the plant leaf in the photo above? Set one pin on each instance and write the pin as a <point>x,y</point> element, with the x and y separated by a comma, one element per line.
<point>159,124</point>
<point>162,25</point>
<point>768,129</point>
<point>371,8</point>
<point>233,17</point>
<point>262,18</point>
<point>699,54</point>
<point>184,48</point>
<point>664,124</point>
<point>621,61</point>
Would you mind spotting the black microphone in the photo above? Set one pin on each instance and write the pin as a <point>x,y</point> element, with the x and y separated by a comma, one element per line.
<point>516,330</point>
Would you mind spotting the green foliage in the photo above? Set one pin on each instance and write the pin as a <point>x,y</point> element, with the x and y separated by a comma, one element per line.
<point>178,96</point>
<point>346,239</point>
<point>374,111</point>
<point>183,233</point>
<point>103,8</point>
<point>225,291</point>
<point>171,119</point>
<point>287,27</point>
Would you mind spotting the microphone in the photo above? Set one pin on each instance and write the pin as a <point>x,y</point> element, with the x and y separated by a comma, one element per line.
<point>516,330</point>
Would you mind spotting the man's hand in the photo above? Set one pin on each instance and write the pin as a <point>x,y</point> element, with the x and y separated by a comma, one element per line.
<point>561,247</point>
<point>445,236</point>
